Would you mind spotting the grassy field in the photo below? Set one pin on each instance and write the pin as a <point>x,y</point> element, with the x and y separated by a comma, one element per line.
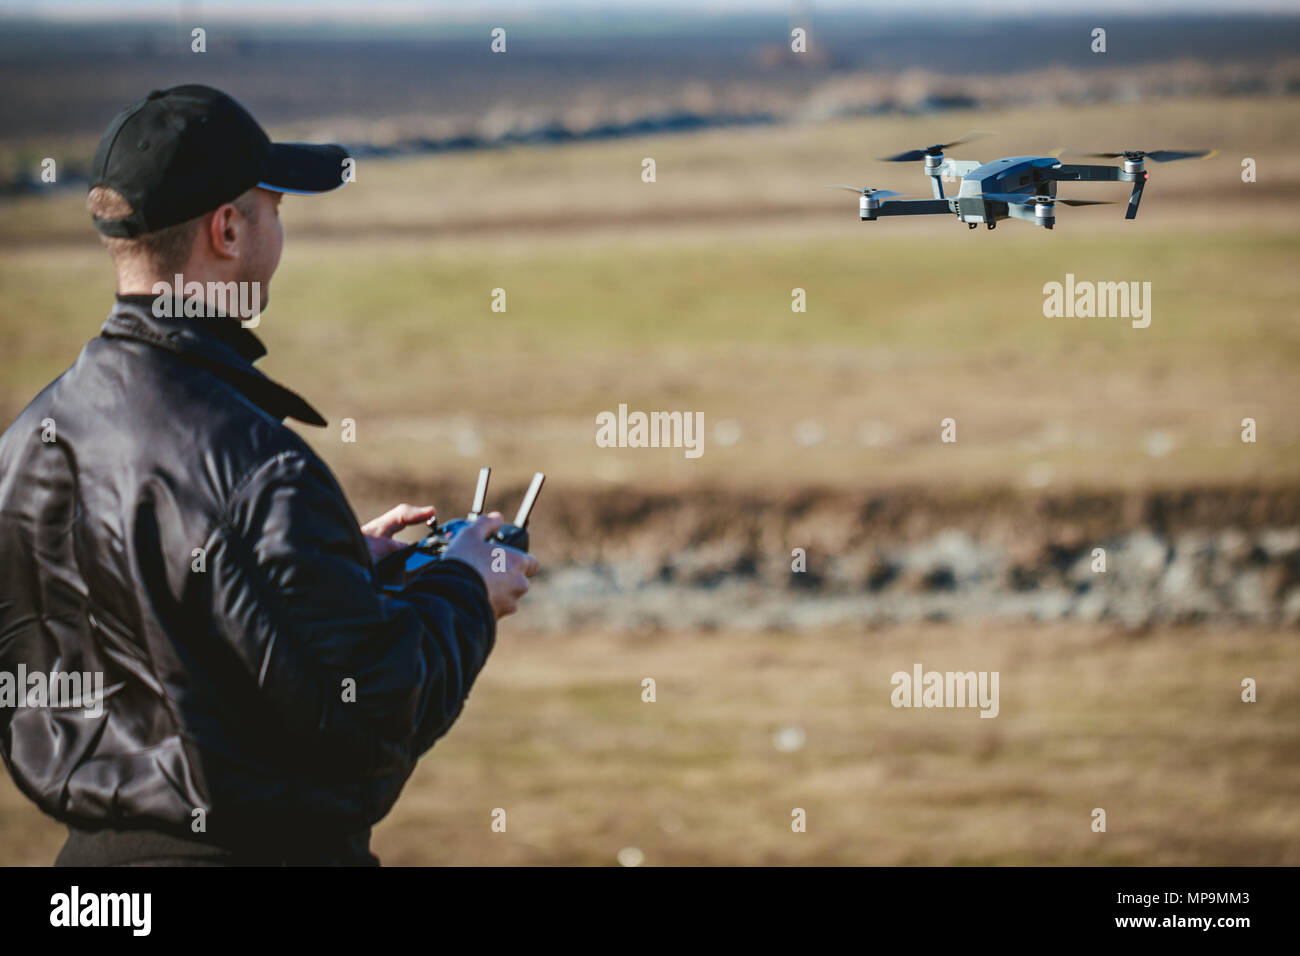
<point>676,295</point>
<point>401,340</point>
<point>1149,728</point>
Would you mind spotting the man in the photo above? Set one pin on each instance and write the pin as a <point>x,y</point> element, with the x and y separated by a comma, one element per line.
<point>248,693</point>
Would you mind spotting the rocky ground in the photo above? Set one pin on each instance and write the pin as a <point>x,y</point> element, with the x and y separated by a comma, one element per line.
<point>728,560</point>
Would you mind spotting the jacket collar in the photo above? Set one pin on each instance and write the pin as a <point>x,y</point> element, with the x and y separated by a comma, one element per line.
<point>221,345</point>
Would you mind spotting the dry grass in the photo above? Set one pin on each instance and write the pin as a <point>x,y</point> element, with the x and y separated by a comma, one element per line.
<point>401,340</point>
<point>771,180</point>
<point>677,296</point>
<point>1151,728</point>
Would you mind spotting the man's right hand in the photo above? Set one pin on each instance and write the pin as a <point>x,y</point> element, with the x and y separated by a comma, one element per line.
<point>505,586</point>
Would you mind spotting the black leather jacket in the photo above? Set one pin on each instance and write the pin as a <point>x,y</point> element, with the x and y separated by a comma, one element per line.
<point>160,525</point>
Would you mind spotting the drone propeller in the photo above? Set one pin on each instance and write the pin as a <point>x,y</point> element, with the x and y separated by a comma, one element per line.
<point>915,155</point>
<point>1026,200</point>
<point>1159,155</point>
<point>867,190</point>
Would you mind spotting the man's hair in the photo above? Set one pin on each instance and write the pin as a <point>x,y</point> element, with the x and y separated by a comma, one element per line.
<point>163,252</point>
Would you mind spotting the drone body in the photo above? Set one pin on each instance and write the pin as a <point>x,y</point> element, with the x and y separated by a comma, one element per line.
<point>1017,187</point>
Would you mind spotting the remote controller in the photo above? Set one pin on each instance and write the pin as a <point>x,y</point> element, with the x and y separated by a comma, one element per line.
<point>393,568</point>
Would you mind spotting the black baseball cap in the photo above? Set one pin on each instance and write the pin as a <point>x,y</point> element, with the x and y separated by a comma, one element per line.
<point>181,152</point>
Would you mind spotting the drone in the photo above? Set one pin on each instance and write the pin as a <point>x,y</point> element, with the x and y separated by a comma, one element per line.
<point>1016,187</point>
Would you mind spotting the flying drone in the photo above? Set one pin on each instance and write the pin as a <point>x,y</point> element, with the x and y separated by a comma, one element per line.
<point>1017,187</point>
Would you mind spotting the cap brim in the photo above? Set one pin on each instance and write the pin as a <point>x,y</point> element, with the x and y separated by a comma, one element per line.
<point>304,168</point>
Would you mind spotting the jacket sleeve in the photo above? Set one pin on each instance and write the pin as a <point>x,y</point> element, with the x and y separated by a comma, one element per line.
<point>360,679</point>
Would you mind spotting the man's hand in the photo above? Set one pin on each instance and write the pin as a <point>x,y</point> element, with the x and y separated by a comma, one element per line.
<point>379,532</point>
<point>505,570</point>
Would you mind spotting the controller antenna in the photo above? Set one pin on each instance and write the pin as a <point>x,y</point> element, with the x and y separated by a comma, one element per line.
<point>530,498</point>
<point>480,494</point>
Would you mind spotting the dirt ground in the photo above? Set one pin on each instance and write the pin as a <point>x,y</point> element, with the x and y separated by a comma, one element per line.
<point>746,728</point>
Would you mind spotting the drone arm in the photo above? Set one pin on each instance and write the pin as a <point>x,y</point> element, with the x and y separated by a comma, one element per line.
<point>936,180</point>
<point>1079,173</point>
<point>915,207</point>
<point>1135,197</point>
<point>957,168</point>
<point>1137,176</point>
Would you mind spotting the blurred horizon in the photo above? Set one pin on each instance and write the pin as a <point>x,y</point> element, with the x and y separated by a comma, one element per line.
<point>574,71</point>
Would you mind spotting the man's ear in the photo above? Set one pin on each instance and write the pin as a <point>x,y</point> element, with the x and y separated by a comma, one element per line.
<point>222,231</point>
